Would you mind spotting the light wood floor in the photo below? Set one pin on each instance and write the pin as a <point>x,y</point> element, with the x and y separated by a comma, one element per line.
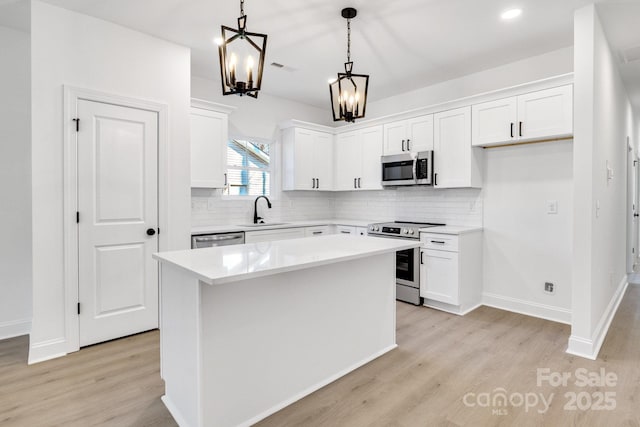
<point>440,358</point>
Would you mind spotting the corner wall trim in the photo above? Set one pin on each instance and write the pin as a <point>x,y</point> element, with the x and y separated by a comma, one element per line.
<point>590,347</point>
<point>46,350</point>
<point>543,311</point>
<point>15,328</point>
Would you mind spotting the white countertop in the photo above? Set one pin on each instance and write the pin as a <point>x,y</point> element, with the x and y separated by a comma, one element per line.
<point>224,264</point>
<point>451,229</point>
<point>291,224</point>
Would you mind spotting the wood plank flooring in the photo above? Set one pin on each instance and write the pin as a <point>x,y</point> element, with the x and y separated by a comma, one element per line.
<point>440,359</point>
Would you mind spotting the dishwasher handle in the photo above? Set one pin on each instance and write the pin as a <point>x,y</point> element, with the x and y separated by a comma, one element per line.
<point>201,239</point>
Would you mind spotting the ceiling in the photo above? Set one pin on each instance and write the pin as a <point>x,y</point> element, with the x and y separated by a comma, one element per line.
<point>402,44</point>
<point>620,21</point>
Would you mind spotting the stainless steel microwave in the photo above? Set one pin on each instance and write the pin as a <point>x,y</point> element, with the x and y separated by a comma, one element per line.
<point>408,169</point>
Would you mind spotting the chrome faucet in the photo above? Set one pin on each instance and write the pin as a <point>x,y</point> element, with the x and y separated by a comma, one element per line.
<point>256,218</point>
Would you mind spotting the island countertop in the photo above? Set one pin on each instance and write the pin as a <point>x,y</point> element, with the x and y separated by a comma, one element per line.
<point>225,264</point>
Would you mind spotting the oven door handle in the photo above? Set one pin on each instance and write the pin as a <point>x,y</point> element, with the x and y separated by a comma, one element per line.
<point>415,170</point>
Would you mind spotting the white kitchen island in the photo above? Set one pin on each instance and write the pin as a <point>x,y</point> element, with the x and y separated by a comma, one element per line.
<point>249,329</point>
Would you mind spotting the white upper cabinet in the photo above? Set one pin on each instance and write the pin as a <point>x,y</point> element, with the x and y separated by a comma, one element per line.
<point>494,121</point>
<point>544,114</point>
<point>410,135</point>
<point>208,148</point>
<point>457,163</point>
<point>307,160</point>
<point>357,162</point>
<point>370,177</point>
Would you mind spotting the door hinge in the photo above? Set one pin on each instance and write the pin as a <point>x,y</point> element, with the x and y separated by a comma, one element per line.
<point>78,308</point>
<point>77,124</point>
<point>77,217</point>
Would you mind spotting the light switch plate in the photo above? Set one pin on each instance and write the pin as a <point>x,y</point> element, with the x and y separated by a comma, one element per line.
<point>552,207</point>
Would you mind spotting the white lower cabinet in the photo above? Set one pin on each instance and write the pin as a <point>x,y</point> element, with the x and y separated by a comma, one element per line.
<point>271,235</point>
<point>321,230</point>
<point>354,231</point>
<point>451,271</point>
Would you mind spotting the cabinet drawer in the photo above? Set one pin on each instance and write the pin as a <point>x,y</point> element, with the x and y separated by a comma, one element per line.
<point>442,242</point>
<point>344,229</point>
<point>316,231</point>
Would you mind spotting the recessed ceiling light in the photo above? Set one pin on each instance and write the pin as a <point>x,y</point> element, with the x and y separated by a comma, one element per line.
<point>218,41</point>
<point>511,14</point>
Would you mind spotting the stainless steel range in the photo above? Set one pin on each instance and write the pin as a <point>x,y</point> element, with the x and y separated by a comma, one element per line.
<point>407,261</point>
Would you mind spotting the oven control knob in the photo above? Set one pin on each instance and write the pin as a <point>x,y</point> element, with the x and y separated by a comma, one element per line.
<point>371,228</point>
<point>411,231</point>
<point>405,231</point>
<point>377,228</point>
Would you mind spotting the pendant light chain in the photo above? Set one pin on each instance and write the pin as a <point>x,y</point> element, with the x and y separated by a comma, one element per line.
<point>348,40</point>
<point>241,7</point>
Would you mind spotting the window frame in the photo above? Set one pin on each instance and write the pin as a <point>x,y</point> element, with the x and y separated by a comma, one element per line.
<point>273,153</point>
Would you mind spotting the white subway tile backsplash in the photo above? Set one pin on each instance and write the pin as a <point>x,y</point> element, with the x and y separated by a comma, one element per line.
<point>454,207</point>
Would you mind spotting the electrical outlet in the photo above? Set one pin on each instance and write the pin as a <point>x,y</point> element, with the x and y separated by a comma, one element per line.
<point>552,207</point>
<point>549,287</point>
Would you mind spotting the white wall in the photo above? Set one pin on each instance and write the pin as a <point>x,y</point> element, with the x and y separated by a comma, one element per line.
<point>73,49</point>
<point>15,183</point>
<point>524,247</point>
<point>603,120</point>
<point>258,117</point>
<point>528,70</point>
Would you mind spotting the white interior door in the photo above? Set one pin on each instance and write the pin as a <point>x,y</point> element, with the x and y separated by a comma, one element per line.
<point>118,210</point>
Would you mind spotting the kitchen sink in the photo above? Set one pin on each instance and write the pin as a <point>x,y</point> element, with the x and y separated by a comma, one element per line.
<point>266,224</point>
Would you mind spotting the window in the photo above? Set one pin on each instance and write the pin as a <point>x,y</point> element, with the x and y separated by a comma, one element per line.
<point>248,168</point>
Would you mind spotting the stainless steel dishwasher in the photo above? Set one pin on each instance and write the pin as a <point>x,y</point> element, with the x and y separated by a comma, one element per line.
<point>218,239</point>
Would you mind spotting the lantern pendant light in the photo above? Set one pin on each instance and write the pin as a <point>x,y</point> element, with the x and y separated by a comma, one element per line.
<point>349,90</point>
<point>240,73</point>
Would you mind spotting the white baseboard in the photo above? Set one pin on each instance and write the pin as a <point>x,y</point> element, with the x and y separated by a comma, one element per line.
<point>15,328</point>
<point>590,347</point>
<point>175,413</point>
<point>46,350</point>
<point>543,311</point>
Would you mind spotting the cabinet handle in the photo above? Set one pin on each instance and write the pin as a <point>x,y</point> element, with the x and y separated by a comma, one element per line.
<point>440,242</point>
<point>408,145</point>
<point>520,131</point>
<point>355,182</point>
<point>359,186</point>
<point>345,232</point>
<point>317,182</point>
<point>317,232</point>
<point>435,179</point>
<point>403,145</point>
<point>421,260</point>
<point>511,129</point>
<point>225,179</point>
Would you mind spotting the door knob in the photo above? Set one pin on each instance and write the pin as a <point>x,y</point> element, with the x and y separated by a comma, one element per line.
<point>151,232</point>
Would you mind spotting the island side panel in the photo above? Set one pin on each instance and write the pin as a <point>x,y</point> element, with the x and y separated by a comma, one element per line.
<point>270,341</point>
<point>179,344</point>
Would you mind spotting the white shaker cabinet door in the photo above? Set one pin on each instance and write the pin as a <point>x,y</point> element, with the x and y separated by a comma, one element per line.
<point>370,176</point>
<point>304,161</point>
<point>545,114</point>
<point>441,281</point>
<point>395,138</point>
<point>208,148</point>
<point>420,133</point>
<point>322,162</point>
<point>455,167</point>
<point>347,164</point>
<point>495,122</point>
